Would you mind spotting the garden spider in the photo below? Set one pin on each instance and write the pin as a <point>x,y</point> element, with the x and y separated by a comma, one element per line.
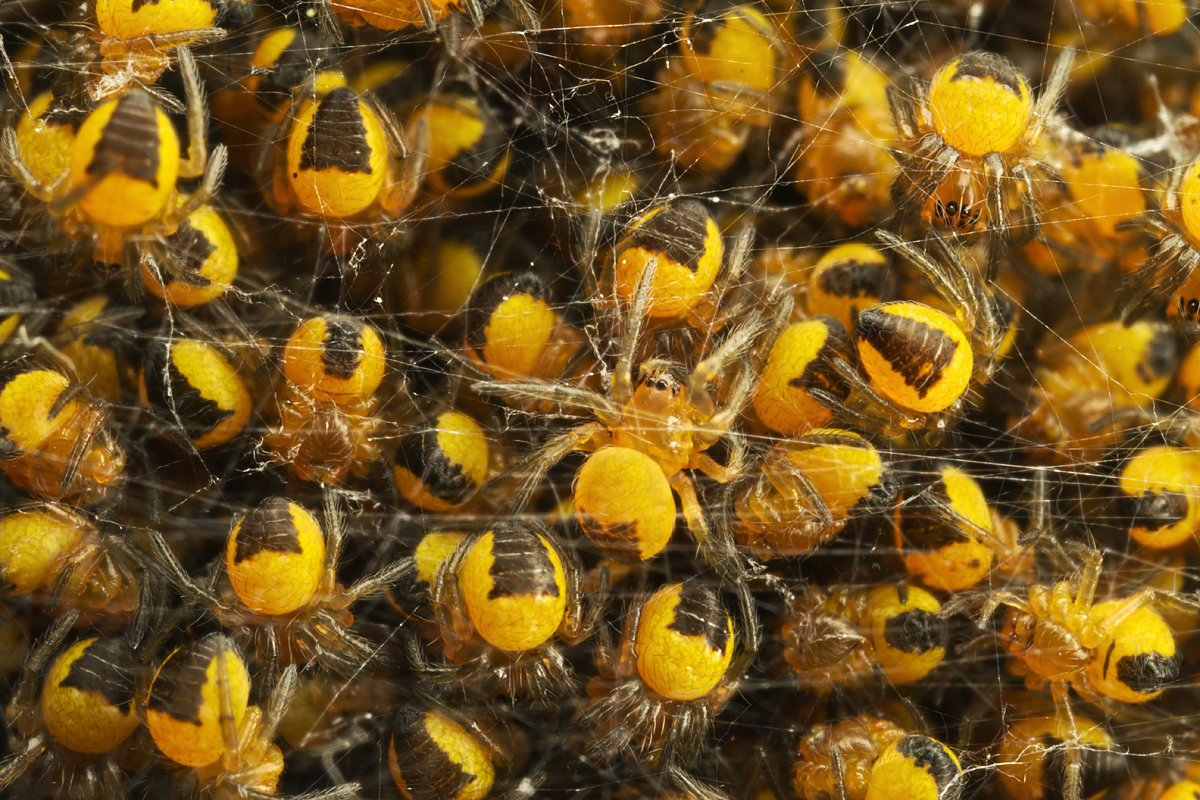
<point>1170,272</point>
<point>983,314</point>
<point>71,726</point>
<point>647,433</point>
<point>281,570</point>
<point>119,185</point>
<point>966,144</point>
<point>1118,649</point>
<point>677,666</point>
<point>503,601</point>
<point>215,743</point>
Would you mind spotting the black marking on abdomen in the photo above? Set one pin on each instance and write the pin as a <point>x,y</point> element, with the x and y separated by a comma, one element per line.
<point>521,564</point>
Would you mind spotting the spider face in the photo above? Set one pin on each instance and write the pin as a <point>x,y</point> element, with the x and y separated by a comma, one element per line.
<point>956,204</point>
<point>1170,274</point>
<point>659,419</point>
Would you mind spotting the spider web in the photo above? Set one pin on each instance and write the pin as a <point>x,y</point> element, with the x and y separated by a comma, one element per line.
<point>567,122</point>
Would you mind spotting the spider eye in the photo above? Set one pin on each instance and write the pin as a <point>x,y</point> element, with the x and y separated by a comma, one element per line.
<point>952,208</point>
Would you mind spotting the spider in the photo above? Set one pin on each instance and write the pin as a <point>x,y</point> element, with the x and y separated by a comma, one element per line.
<point>337,160</point>
<point>1118,649</point>
<point>648,433</point>
<point>966,147</point>
<point>132,41</point>
<point>806,490</point>
<point>332,365</point>
<point>852,636</point>
<point>119,187</point>
<point>1170,273</point>
<point>871,758</point>
<point>282,571</point>
<point>56,556</point>
<point>502,600</point>
<point>214,741</point>
<point>676,668</point>
<point>70,736</point>
<point>983,314</point>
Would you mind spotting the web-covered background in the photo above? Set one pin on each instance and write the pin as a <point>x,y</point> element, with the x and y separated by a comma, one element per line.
<point>569,119</point>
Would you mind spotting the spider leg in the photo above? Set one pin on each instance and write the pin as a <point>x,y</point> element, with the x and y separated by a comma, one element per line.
<point>631,321</point>
<point>24,698</point>
<point>1003,598</point>
<point>455,626</point>
<point>400,194</point>
<point>689,784</point>
<point>737,343</point>
<point>197,117</point>
<point>997,225</point>
<point>1031,225</point>
<point>720,473</point>
<point>778,473</point>
<point>1088,581</point>
<point>766,765</point>
<point>535,468</point>
<point>213,175</point>
<point>563,394</point>
<point>381,580</point>
<point>718,551</point>
<point>176,574</point>
<point>1073,762</point>
<point>1052,94</point>
<point>13,766</point>
<point>584,623</point>
<point>894,415</point>
<point>229,734</point>
<point>531,23</point>
<point>900,95</point>
<point>1168,268</point>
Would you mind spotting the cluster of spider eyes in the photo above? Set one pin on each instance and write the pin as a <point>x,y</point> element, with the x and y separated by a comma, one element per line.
<point>387,411</point>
